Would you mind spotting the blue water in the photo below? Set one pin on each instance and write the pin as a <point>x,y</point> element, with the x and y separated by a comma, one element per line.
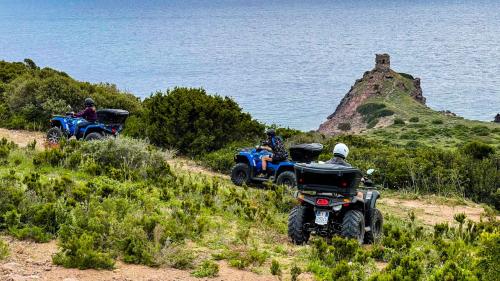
<point>285,62</point>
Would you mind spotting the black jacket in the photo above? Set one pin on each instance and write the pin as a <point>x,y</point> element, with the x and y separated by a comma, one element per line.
<point>338,161</point>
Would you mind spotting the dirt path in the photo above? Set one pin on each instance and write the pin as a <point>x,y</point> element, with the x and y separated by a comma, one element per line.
<point>429,213</point>
<point>192,167</point>
<point>23,138</point>
<point>32,261</point>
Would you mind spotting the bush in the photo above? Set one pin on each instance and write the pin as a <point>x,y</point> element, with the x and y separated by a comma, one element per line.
<point>372,111</point>
<point>195,122</point>
<point>399,121</point>
<point>275,268</point>
<point>414,119</point>
<point>407,76</point>
<point>207,269</point>
<point>4,249</point>
<point>478,150</point>
<point>372,124</point>
<point>437,122</point>
<point>79,252</point>
<point>344,126</point>
<point>370,108</point>
<point>481,130</point>
<point>222,160</point>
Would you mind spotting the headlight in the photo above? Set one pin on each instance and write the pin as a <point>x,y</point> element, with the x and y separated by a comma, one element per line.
<point>337,208</point>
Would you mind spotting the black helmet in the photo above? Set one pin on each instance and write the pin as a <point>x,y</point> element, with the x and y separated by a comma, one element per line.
<point>89,102</point>
<point>271,132</point>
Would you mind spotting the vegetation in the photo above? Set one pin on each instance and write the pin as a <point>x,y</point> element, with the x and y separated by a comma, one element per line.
<point>194,122</point>
<point>119,198</point>
<point>207,269</point>
<point>4,249</point>
<point>29,95</point>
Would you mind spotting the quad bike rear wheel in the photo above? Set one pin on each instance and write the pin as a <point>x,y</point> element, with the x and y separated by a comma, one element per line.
<point>353,225</point>
<point>287,178</point>
<point>296,220</point>
<point>94,136</point>
<point>376,227</point>
<point>55,135</point>
<point>240,174</point>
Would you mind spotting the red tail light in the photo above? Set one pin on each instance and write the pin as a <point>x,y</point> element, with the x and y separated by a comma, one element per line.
<point>343,183</point>
<point>113,130</point>
<point>322,202</point>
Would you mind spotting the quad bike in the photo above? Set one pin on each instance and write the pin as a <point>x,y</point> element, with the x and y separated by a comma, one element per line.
<point>109,123</point>
<point>331,204</point>
<point>248,164</point>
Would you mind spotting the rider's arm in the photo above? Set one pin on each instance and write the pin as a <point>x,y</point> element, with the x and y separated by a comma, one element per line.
<point>81,113</point>
<point>265,147</point>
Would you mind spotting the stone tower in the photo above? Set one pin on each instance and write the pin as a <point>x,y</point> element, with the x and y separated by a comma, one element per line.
<point>382,62</point>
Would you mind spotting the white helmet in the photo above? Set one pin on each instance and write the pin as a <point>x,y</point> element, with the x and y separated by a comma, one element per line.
<point>341,150</point>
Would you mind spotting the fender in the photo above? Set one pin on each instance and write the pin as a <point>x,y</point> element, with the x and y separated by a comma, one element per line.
<point>91,129</point>
<point>371,197</point>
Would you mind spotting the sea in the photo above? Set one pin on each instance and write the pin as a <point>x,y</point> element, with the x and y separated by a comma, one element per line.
<point>286,62</point>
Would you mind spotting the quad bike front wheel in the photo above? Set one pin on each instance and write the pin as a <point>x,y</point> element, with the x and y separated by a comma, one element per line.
<point>94,136</point>
<point>55,135</point>
<point>353,225</point>
<point>240,174</point>
<point>376,226</point>
<point>287,178</point>
<point>296,220</point>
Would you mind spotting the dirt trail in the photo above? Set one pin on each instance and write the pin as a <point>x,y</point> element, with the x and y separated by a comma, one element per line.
<point>32,261</point>
<point>23,138</point>
<point>429,213</point>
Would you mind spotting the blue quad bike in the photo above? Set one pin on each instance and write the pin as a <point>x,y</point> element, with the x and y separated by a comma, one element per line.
<point>109,123</point>
<point>248,164</point>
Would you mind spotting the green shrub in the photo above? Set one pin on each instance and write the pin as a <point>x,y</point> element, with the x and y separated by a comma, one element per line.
<point>207,268</point>
<point>4,249</point>
<point>489,255</point>
<point>372,124</point>
<point>194,122</point>
<point>222,160</point>
<point>373,111</point>
<point>414,119</point>
<point>481,130</point>
<point>478,150</point>
<point>344,126</point>
<point>295,272</point>
<point>370,108</point>
<point>437,121</point>
<point>399,121</point>
<point>80,252</point>
<point>407,76</point>
<point>275,268</point>
<point>34,233</point>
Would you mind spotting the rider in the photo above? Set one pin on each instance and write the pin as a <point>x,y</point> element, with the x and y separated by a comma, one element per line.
<point>275,145</point>
<point>89,114</point>
<point>340,152</point>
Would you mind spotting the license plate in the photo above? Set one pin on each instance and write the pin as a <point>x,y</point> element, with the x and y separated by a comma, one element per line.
<point>321,217</point>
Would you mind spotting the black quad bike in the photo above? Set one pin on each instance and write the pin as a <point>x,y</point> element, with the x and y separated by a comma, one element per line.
<point>331,204</point>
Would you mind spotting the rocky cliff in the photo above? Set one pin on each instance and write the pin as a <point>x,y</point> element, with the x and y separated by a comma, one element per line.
<point>376,87</point>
